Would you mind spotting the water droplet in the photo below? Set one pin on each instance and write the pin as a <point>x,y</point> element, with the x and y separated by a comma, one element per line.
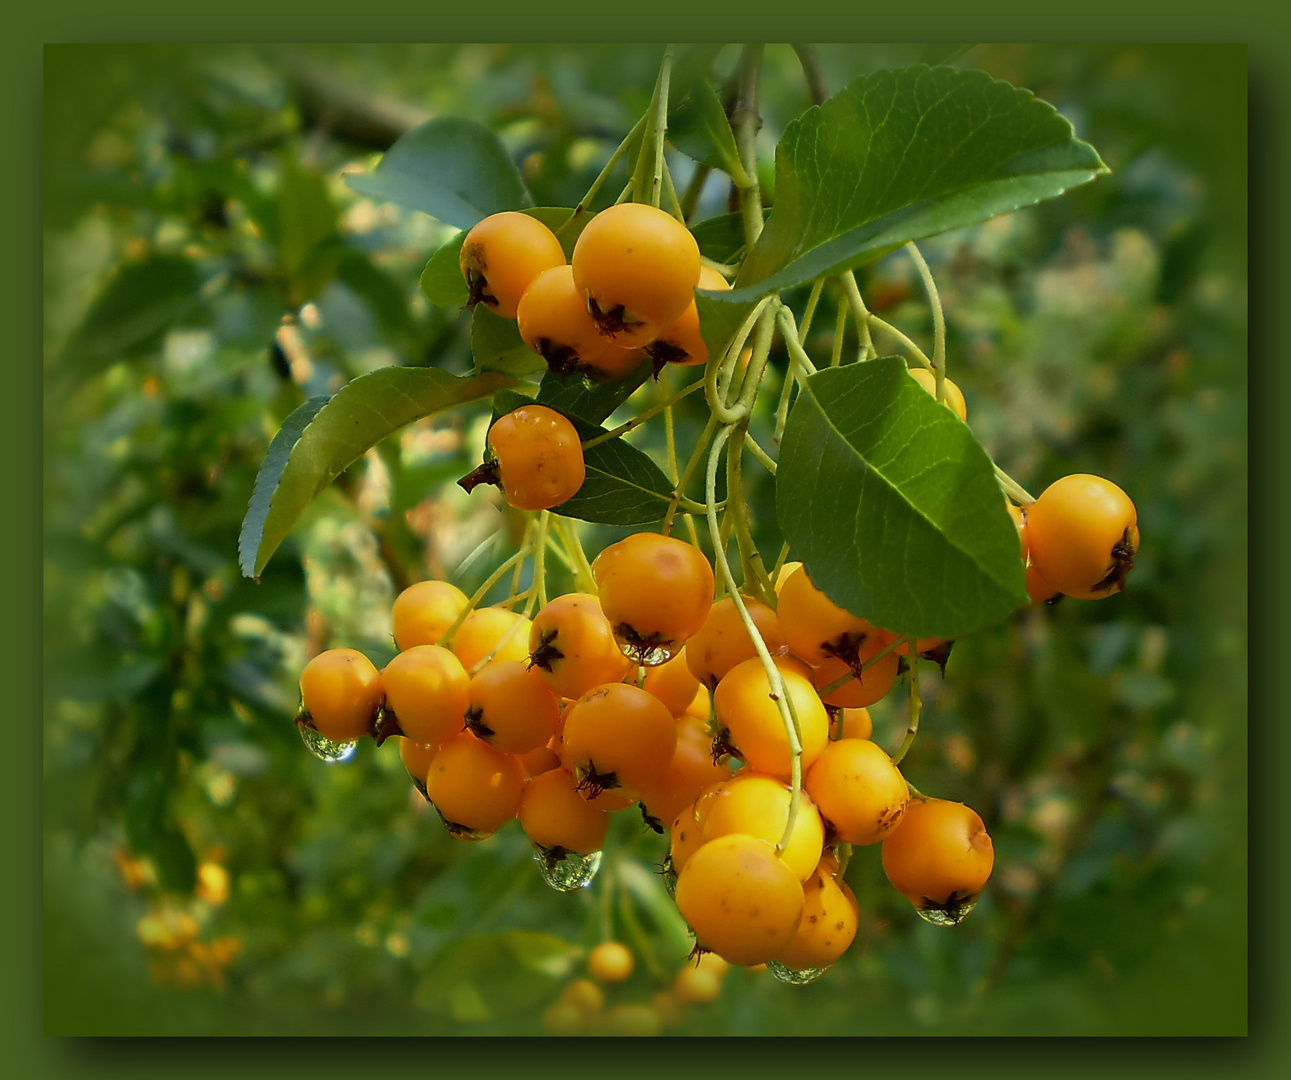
<point>566,871</point>
<point>325,749</point>
<point>647,651</point>
<point>792,976</point>
<point>951,913</point>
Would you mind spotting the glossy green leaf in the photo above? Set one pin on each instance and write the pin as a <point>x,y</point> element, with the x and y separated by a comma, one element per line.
<point>893,505</point>
<point>323,437</point>
<point>901,155</point>
<point>497,345</point>
<point>589,401</point>
<point>623,486</point>
<point>453,169</point>
<point>134,311</point>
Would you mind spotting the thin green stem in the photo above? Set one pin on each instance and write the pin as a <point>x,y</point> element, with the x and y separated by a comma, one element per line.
<point>756,370</point>
<point>862,314</point>
<point>847,677</point>
<point>670,436</point>
<point>538,590</point>
<point>574,545</point>
<point>763,458</point>
<point>479,549</point>
<point>482,591</point>
<point>783,702</point>
<point>660,126</point>
<point>789,331</point>
<point>1013,489</point>
<point>844,851</point>
<point>779,562</point>
<point>641,418</point>
<point>919,354</point>
<point>670,192</point>
<point>840,332</point>
<point>753,570</point>
<point>746,122</point>
<point>938,323</point>
<point>916,707</point>
<point>813,73</point>
<point>592,191</point>
<point>782,406</point>
<point>555,544</point>
<point>717,403</point>
<point>809,311</point>
<point>689,471</point>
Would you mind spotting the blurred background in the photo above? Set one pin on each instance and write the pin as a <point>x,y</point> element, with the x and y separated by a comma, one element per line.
<point>207,268</point>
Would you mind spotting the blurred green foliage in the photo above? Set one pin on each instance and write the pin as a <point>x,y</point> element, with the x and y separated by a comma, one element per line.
<point>207,270</point>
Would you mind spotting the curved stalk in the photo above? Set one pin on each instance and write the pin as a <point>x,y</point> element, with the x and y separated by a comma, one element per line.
<point>919,354</point>
<point>783,703</point>
<point>754,572</point>
<point>660,125</point>
<point>789,331</point>
<point>592,191</point>
<point>763,458</point>
<point>482,591</point>
<point>582,568</point>
<point>862,313</point>
<point>746,122</point>
<point>670,437</point>
<point>538,589</point>
<point>688,472</point>
<point>641,418</point>
<point>938,320</point>
<point>916,708</point>
<point>1013,489</point>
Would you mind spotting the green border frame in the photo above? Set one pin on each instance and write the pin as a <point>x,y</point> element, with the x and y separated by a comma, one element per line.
<point>1266,28</point>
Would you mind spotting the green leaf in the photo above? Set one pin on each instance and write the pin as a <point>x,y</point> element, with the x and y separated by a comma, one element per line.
<point>323,437</point>
<point>593,402</point>
<point>497,345</point>
<point>719,318</point>
<point>720,238</point>
<point>697,126</point>
<point>453,169</point>
<point>893,506</point>
<point>622,487</point>
<point>442,282</point>
<point>901,155</point>
<point>133,312</point>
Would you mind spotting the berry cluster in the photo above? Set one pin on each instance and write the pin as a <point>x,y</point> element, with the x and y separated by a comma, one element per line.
<point>739,725</point>
<point>627,292</point>
<point>651,692</point>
